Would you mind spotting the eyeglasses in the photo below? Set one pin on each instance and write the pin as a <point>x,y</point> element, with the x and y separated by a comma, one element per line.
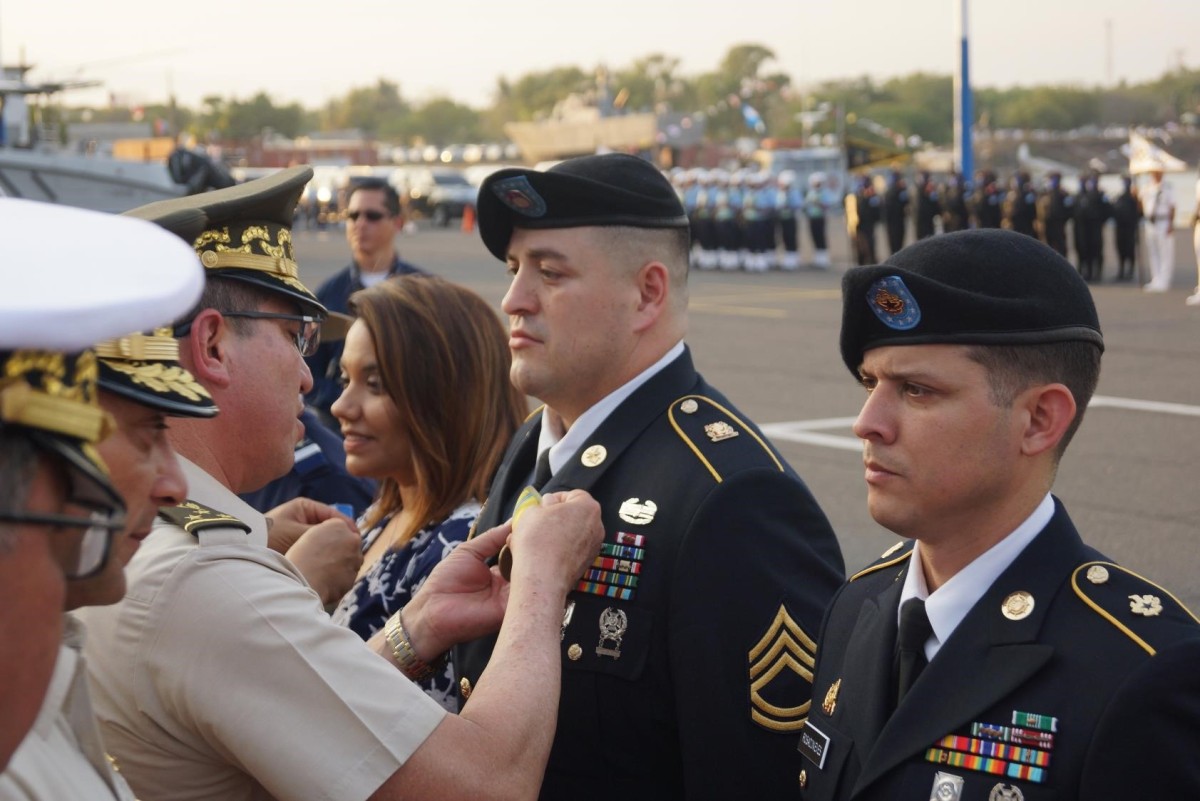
<point>99,527</point>
<point>306,339</point>
<point>372,215</point>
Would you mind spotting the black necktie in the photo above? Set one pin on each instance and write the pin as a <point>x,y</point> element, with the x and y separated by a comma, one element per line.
<point>910,645</point>
<point>541,472</point>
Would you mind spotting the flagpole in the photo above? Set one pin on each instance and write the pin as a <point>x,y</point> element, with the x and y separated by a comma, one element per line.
<point>964,157</point>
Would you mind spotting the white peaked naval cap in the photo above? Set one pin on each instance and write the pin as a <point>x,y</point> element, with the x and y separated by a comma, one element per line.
<point>70,277</point>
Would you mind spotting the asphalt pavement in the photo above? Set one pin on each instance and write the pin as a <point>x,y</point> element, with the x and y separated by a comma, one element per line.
<point>1130,478</point>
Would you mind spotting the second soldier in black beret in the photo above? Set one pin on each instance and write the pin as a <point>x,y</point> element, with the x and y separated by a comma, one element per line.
<point>991,655</point>
<point>687,647</point>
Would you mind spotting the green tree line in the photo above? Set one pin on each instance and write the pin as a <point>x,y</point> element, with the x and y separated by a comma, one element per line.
<point>919,104</point>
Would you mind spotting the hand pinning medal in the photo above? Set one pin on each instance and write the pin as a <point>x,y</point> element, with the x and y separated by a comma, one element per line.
<point>529,497</point>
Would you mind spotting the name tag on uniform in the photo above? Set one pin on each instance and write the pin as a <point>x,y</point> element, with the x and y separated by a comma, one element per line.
<point>814,744</point>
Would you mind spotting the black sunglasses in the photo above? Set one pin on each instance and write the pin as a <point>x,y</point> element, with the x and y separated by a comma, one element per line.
<point>372,215</point>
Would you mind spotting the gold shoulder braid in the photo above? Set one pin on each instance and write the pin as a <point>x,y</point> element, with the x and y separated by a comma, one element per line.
<point>193,517</point>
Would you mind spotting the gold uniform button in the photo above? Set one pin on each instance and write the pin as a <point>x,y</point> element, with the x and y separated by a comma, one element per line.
<point>574,652</point>
<point>803,779</point>
<point>689,406</point>
<point>464,687</point>
<point>1097,574</point>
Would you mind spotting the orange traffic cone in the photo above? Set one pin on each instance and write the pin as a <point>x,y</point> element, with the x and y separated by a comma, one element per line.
<point>468,221</point>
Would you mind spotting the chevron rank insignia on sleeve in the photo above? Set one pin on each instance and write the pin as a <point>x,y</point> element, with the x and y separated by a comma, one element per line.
<point>781,672</point>
<point>193,517</point>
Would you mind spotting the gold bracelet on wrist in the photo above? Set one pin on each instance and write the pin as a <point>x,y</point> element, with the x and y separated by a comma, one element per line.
<point>410,664</point>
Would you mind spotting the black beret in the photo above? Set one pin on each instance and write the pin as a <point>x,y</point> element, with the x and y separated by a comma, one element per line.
<point>243,232</point>
<point>611,189</point>
<point>977,287</point>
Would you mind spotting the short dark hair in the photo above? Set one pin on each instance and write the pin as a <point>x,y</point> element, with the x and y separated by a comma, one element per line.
<point>671,246</point>
<point>230,294</point>
<point>1011,369</point>
<point>390,197</point>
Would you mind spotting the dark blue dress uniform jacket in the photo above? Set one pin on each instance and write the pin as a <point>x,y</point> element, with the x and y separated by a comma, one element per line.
<point>713,675</point>
<point>1124,687</point>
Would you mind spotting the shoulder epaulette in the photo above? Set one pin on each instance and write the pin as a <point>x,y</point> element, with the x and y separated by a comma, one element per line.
<point>900,552</point>
<point>193,517</point>
<point>1130,602</point>
<point>721,440</point>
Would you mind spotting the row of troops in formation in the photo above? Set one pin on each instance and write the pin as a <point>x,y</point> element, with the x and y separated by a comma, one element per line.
<point>673,620</point>
<point>740,217</point>
<point>1045,212</point>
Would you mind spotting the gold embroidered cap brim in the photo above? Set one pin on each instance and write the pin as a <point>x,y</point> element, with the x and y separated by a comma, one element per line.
<point>161,385</point>
<point>243,232</point>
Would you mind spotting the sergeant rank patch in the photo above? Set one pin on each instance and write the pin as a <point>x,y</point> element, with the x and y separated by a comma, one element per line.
<point>782,651</point>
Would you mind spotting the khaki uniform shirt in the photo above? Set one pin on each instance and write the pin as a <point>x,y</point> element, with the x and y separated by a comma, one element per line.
<point>62,756</point>
<point>220,676</point>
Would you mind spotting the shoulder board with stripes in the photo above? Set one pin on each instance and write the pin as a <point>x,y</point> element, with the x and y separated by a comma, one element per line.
<point>193,517</point>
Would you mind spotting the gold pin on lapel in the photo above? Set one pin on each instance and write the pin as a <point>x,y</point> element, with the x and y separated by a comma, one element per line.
<point>594,456</point>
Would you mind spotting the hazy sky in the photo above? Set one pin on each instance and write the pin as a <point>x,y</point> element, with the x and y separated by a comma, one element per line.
<point>300,50</point>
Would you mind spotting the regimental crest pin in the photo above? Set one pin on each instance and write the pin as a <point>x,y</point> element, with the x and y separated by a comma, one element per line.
<point>720,430</point>
<point>613,623</point>
<point>830,703</point>
<point>893,303</point>
<point>638,512</point>
<point>520,196</point>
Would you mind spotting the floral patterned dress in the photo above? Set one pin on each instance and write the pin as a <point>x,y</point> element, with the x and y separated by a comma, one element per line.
<point>396,577</point>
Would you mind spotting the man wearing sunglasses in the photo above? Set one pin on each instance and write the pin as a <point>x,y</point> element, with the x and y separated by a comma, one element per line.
<point>220,675</point>
<point>58,507</point>
<point>373,218</point>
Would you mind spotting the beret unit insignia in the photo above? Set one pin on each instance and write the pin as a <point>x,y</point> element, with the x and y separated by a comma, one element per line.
<point>893,303</point>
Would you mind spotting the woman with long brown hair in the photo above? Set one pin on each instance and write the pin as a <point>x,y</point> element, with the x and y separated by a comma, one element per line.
<point>427,409</point>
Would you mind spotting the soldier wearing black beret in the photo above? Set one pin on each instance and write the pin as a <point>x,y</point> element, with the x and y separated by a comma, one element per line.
<point>687,647</point>
<point>992,654</point>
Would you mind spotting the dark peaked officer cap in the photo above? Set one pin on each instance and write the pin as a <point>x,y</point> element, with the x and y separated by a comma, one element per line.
<point>244,232</point>
<point>145,368</point>
<point>613,189</point>
<point>977,287</point>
